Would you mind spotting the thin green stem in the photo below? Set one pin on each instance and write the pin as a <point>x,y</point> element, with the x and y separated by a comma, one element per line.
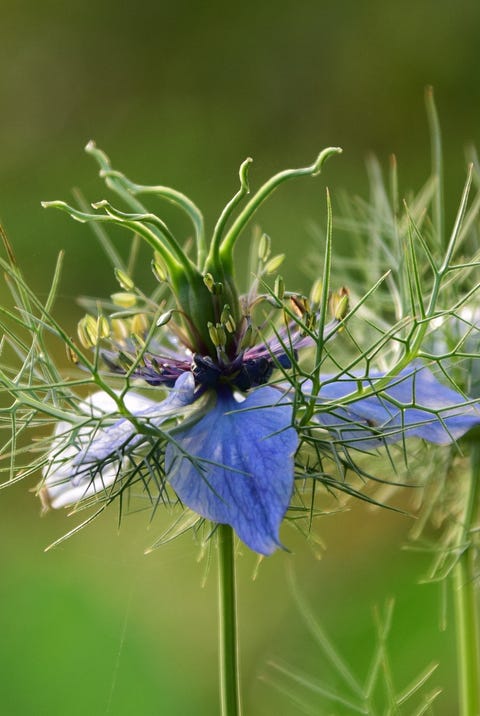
<point>227,612</point>
<point>465,601</point>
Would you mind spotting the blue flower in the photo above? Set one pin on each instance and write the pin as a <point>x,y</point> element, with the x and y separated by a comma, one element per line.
<point>225,437</point>
<point>232,459</point>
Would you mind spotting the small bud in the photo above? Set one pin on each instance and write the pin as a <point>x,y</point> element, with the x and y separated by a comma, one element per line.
<point>87,331</point>
<point>217,334</point>
<point>103,327</point>
<point>264,248</point>
<point>225,313</point>
<point>71,354</point>
<point>158,268</point>
<point>209,282</point>
<point>227,320</point>
<point>212,285</point>
<point>124,280</point>
<point>164,318</point>
<point>316,292</point>
<point>124,299</point>
<point>274,263</point>
<point>221,335</point>
<point>279,287</point>
<point>139,324</point>
<point>212,332</point>
<point>339,304</point>
<point>248,338</point>
<point>230,325</point>
<point>119,329</point>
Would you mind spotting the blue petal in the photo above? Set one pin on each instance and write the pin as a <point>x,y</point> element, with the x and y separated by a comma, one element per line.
<point>86,461</point>
<point>238,465</point>
<point>414,404</point>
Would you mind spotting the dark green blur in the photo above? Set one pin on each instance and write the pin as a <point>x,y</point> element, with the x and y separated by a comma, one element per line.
<point>180,94</point>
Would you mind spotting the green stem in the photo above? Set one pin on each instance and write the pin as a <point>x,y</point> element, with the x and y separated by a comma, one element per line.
<point>465,601</point>
<point>228,648</point>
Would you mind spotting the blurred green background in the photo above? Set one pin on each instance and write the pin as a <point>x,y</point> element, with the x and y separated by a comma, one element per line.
<point>180,93</point>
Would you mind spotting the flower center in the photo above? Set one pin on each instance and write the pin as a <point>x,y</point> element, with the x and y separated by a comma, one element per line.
<point>241,373</point>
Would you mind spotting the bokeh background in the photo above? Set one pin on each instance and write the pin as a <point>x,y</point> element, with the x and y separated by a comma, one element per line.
<point>180,93</point>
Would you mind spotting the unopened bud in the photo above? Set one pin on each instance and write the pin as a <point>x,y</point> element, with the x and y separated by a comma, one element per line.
<point>158,268</point>
<point>124,299</point>
<point>209,281</point>
<point>221,335</point>
<point>103,327</point>
<point>339,304</point>
<point>124,280</point>
<point>139,324</point>
<point>279,287</point>
<point>227,320</point>
<point>316,292</point>
<point>212,285</point>
<point>164,318</point>
<point>274,263</point>
<point>264,248</point>
<point>71,354</point>
<point>248,338</point>
<point>119,329</point>
<point>87,331</point>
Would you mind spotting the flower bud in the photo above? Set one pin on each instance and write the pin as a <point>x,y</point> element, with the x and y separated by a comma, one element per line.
<point>158,268</point>
<point>124,299</point>
<point>124,280</point>
<point>339,303</point>
<point>119,329</point>
<point>279,287</point>
<point>87,331</point>
<point>274,263</point>
<point>316,292</point>
<point>248,338</point>
<point>164,318</point>
<point>103,327</point>
<point>139,324</point>
<point>209,281</point>
<point>264,248</point>
<point>71,354</point>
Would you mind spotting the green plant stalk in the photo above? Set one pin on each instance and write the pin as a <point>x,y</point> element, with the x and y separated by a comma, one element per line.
<point>227,613</point>
<point>465,601</point>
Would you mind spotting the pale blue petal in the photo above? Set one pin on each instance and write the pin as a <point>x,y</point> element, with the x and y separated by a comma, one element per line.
<point>414,404</point>
<point>86,461</point>
<point>153,413</point>
<point>239,470</point>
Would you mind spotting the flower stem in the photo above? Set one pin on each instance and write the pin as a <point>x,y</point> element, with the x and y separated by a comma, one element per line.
<point>465,601</point>
<point>228,648</point>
